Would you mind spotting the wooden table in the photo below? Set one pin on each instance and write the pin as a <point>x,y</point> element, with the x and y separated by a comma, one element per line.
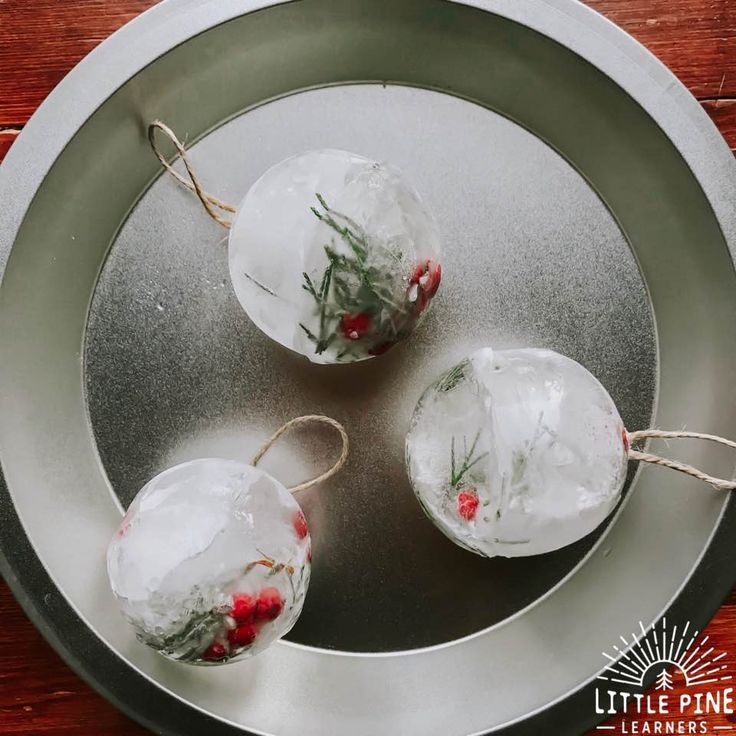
<point>40,41</point>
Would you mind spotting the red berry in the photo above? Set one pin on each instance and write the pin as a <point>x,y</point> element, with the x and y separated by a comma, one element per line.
<point>418,273</point>
<point>309,553</point>
<point>421,302</point>
<point>434,271</point>
<point>216,652</point>
<point>300,525</point>
<point>242,636</point>
<point>428,275</point>
<point>355,326</point>
<point>243,609</point>
<point>467,504</point>
<point>625,437</point>
<point>269,605</point>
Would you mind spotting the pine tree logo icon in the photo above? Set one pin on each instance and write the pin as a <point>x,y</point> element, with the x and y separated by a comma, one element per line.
<point>666,648</point>
<point>664,681</point>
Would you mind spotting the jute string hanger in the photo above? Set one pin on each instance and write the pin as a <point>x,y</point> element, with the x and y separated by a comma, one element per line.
<point>300,422</point>
<point>212,205</point>
<point>215,206</point>
<point>336,466</point>
<point>721,484</point>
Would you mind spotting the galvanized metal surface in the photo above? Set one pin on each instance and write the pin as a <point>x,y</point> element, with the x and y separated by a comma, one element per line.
<point>114,366</point>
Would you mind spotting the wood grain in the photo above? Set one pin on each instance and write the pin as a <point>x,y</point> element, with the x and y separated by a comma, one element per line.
<point>723,113</point>
<point>39,694</point>
<point>40,40</point>
<point>694,38</point>
<point>6,139</point>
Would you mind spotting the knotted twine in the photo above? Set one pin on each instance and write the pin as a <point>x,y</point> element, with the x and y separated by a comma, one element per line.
<point>337,465</point>
<point>720,484</point>
<point>299,422</point>
<point>211,203</point>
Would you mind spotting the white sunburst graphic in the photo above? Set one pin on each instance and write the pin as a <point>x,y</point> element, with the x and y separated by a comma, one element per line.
<point>699,663</point>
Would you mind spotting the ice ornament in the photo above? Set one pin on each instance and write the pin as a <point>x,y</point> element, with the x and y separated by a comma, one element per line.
<point>334,256</point>
<point>211,563</point>
<point>517,452</point>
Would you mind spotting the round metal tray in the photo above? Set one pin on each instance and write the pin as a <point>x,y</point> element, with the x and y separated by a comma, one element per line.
<point>586,204</point>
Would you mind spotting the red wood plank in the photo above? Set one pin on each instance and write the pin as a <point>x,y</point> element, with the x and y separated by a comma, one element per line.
<point>39,694</point>
<point>6,139</point>
<point>694,38</point>
<point>41,40</point>
<point>723,114</point>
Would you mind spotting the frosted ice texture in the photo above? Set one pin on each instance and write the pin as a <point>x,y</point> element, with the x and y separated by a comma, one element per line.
<point>211,561</point>
<point>334,256</point>
<point>516,452</point>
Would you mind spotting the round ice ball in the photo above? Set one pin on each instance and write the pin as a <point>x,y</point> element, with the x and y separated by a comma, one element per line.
<point>211,562</point>
<point>334,256</point>
<point>516,452</point>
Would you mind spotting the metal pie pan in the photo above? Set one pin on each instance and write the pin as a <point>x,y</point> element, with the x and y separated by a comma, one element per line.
<point>586,204</point>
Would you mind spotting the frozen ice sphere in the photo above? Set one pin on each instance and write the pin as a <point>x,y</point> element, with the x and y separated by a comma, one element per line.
<point>516,452</point>
<point>211,562</point>
<point>334,256</point>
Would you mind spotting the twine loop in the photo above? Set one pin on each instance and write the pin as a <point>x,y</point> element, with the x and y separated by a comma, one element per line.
<point>720,484</point>
<point>211,203</point>
<point>300,422</point>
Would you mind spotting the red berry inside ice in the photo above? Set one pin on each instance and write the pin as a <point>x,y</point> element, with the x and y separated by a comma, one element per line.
<point>421,301</point>
<point>300,525</point>
<point>269,605</point>
<point>244,608</point>
<point>355,326</point>
<point>242,636</point>
<point>429,282</point>
<point>418,273</point>
<point>625,438</point>
<point>216,652</point>
<point>467,504</point>
<point>428,276</point>
<point>358,231</point>
<point>424,281</point>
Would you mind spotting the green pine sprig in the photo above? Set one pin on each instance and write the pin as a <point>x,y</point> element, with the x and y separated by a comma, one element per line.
<point>469,460</point>
<point>452,378</point>
<point>349,285</point>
